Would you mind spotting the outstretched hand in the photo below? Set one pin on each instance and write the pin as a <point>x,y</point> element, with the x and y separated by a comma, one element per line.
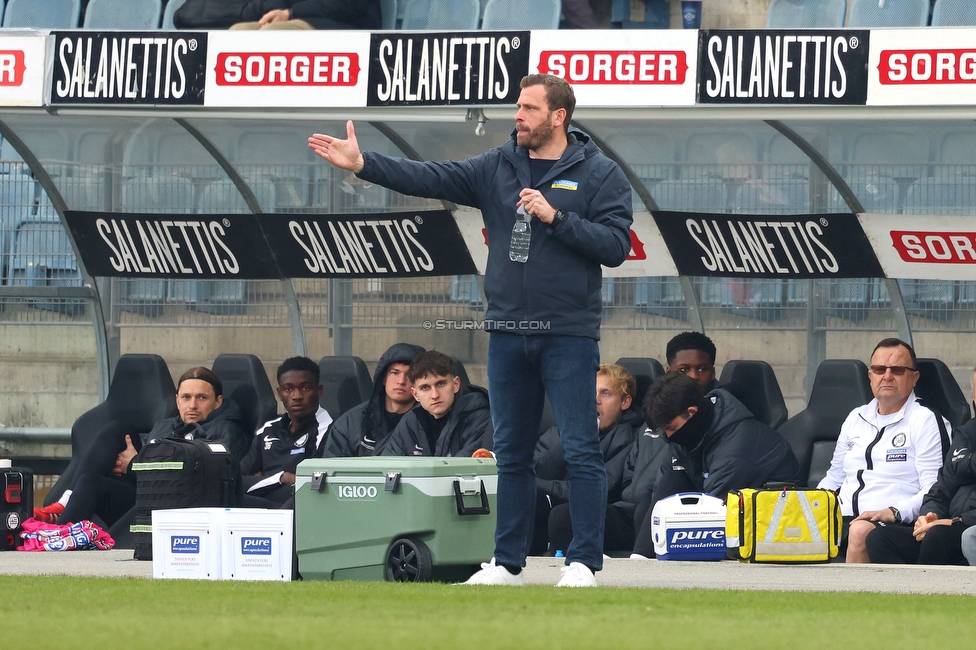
<point>344,154</point>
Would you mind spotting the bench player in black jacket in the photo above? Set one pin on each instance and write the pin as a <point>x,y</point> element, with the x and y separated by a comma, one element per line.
<point>268,470</point>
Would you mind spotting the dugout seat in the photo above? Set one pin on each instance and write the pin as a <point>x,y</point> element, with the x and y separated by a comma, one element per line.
<point>347,383</point>
<point>841,385</point>
<point>644,371</point>
<point>141,393</point>
<point>246,383</point>
<point>754,384</point>
<point>938,389</point>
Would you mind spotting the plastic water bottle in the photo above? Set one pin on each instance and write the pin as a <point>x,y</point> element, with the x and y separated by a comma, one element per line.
<point>518,248</point>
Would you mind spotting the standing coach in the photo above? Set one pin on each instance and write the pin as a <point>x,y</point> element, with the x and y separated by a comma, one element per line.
<point>544,309</point>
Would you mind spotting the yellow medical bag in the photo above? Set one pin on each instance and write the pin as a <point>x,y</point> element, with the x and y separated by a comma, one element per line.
<point>787,525</point>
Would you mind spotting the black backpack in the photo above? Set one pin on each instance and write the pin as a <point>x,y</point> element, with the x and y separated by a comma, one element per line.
<point>176,473</point>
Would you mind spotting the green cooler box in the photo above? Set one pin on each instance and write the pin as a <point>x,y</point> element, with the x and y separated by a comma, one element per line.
<point>394,518</point>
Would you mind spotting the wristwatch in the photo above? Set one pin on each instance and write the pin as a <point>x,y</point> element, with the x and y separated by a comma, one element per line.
<point>896,512</point>
<point>558,219</point>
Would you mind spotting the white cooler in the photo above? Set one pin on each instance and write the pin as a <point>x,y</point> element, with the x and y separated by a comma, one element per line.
<point>689,526</point>
<point>223,544</point>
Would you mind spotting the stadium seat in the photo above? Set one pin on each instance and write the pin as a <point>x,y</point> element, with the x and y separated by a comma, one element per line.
<point>932,299</point>
<point>704,194</point>
<point>347,383</point>
<point>790,14</point>
<point>144,297</point>
<point>41,256</point>
<point>123,14</point>
<point>388,9</point>
<point>170,194</point>
<point>661,296</point>
<point>754,384</point>
<point>518,14</point>
<point>441,14</point>
<point>171,7</point>
<point>42,14</point>
<point>246,383</point>
<point>950,191</point>
<point>938,389</point>
<point>841,385</point>
<point>220,297</point>
<point>644,371</point>
<point>464,288</point>
<point>141,393</point>
<point>459,371</point>
<point>953,13</point>
<point>890,13</point>
<point>656,15</point>
<point>773,196</point>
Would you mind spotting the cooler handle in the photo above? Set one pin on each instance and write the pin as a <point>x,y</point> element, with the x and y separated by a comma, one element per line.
<point>464,510</point>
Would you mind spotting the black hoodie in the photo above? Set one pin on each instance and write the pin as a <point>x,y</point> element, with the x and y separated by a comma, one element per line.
<point>461,435</point>
<point>552,475</point>
<point>737,451</point>
<point>362,429</point>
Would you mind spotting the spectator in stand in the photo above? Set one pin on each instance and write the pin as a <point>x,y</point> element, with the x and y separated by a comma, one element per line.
<point>578,14</point>
<point>619,425</point>
<point>448,420</point>
<point>361,430</point>
<point>889,451</point>
<point>310,14</point>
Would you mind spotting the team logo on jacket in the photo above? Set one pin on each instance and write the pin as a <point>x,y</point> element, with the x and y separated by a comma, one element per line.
<point>301,441</point>
<point>899,440</point>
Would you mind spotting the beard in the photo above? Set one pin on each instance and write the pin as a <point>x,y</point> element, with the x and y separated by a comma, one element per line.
<point>535,138</point>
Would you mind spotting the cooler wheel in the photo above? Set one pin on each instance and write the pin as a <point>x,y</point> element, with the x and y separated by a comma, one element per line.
<point>408,560</point>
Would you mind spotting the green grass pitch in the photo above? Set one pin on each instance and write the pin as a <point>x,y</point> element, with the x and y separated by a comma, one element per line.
<point>67,612</point>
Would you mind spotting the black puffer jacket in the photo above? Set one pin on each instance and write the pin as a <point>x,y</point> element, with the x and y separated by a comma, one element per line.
<point>462,435</point>
<point>322,14</point>
<point>649,454</point>
<point>954,493</point>
<point>225,425</point>
<point>736,452</point>
<point>552,475</point>
<point>362,430</point>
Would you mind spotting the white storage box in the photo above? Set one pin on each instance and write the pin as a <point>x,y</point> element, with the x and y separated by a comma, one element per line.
<point>223,544</point>
<point>186,543</point>
<point>689,526</point>
<point>257,544</point>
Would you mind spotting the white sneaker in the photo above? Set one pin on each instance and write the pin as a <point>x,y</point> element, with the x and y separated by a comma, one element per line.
<point>494,574</point>
<point>637,556</point>
<point>576,575</point>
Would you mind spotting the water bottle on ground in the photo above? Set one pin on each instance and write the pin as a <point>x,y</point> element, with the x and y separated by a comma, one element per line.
<point>518,248</point>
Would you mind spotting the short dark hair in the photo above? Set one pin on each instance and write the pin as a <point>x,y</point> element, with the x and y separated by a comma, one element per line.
<point>559,94</point>
<point>430,362</point>
<point>301,364</point>
<point>894,343</point>
<point>690,341</point>
<point>670,396</point>
<point>203,374</point>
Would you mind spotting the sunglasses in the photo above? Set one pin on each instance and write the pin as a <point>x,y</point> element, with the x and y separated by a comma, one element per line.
<point>897,371</point>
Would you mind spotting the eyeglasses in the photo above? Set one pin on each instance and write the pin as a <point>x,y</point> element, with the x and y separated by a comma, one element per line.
<point>288,389</point>
<point>897,371</point>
